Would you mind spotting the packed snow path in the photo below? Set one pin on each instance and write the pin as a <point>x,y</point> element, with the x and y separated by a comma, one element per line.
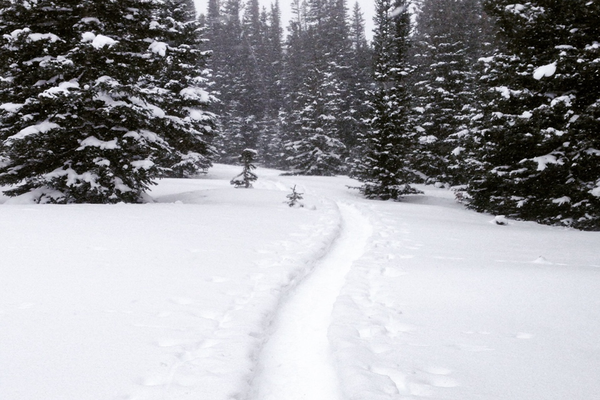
<point>296,362</point>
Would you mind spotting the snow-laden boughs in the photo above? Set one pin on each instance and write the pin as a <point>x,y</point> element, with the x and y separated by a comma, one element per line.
<point>96,101</point>
<point>539,157</point>
<point>312,141</point>
<point>385,168</point>
<point>450,37</point>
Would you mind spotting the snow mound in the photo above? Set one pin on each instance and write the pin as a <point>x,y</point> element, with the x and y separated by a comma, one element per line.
<point>544,71</point>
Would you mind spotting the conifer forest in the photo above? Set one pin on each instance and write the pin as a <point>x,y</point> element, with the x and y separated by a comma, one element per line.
<point>498,100</point>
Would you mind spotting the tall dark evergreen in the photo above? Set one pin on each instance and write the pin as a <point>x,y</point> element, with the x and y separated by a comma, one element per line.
<point>360,82</point>
<point>247,55</point>
<point>182,90</point>
<point>450,38</point>
<point>538,158</point>
<point>316,110</point>
<point>385,167</point>
<point>84,114</point>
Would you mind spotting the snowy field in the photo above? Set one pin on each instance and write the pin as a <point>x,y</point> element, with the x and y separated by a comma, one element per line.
<point>216,293</point>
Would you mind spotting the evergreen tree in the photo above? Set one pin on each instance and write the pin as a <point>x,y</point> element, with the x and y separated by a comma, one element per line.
<point>270,141</point>
<point>82,90</point>
<point>450,38</point>
<point>539,146</point>
<point>315,110</point>
<point>181,90</point>
<point>246,177</point>
<point>360,82</point>
<point>385,167</point>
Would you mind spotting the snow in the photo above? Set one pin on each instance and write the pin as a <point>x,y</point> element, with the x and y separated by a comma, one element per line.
<point>562,200</point>
<point>142,164</point>
<point>73,178</point>
<point>543,161</point>
<point>159,48</point>
<point>98,41</point>
<point>11,107</point>
<point>544,71</point>
<point>62,88</point>
<point>297,362</point>
<point>195,93</point>
<point>191,295</point>
<point>42,127</point>
<point>92,141</point>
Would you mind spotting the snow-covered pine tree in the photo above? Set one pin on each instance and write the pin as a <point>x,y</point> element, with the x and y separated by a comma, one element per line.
<point>270,142</point>
<point>314,108</point>
<point>360,81</point>
<point>539,154</point>
<point>182,89</point>
<point>313,148</point>
<point>80,118</point>
<point>385,167</point>
<point>248,59</point>
<point>449,39</point>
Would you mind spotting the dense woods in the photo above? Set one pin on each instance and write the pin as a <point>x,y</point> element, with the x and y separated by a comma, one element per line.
<point>496,99</point>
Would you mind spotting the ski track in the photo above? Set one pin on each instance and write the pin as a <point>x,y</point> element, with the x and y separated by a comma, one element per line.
<point>296,362</point>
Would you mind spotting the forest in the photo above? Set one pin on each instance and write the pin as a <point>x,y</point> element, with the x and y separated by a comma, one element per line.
<point>497,100</point>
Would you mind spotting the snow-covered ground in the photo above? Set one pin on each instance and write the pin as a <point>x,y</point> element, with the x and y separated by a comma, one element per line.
<point>219,293</point>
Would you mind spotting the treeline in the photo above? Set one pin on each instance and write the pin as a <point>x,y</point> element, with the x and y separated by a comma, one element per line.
<point>494,98</point>
<point>500,100</point>
<point>299,99</point>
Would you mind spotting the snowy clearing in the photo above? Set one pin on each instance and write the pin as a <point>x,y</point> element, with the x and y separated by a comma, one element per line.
<point>185,298</point>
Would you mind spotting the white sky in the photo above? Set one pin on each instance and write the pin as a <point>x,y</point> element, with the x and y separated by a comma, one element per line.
<point>367,6</point>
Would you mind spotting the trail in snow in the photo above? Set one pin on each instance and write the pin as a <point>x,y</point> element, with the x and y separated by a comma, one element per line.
<point>297,363</point>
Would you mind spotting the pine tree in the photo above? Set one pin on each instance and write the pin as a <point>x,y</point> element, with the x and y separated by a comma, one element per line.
<point>81,117</point>
<point>360,82</point>
<point>182,90</point>
<point>246,177</point>
<point>315,101</point>
<point>384,168</point>
<point>450,38</point>
<point>539,153</point>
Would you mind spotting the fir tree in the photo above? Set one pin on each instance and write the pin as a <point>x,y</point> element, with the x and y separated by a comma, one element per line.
<point>315,110</point>
<point>246,177</point>
<point>182,91</point>
<point>539,153</point>
<point>450,38</point>
<point>384,168</point>
<point>81,98</point>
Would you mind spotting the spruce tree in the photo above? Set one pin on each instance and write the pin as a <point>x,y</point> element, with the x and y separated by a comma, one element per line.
<point>181,90</point>
<point>246,177</point>
<point>359,83</point>
<point>315,109</point>
<point>450,38</point>
<point>81,117</point>
<point>539,153</point>
<point>385,166</point>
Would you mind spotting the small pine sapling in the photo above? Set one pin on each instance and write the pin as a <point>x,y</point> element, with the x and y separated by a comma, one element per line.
<point>246,178</point>
<point>294,198</point>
